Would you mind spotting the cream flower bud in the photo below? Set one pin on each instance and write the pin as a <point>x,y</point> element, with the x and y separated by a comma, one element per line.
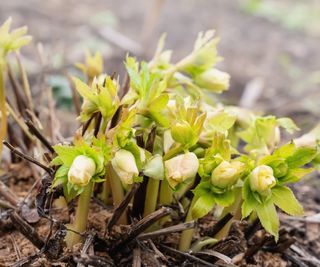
<point>81,171</point>
<point>262,179</point>
<point>181,168</point>
<point>273,138</point>
<point>125,166</point>
<point>167,141</point>
<point>226,173</point>
<point>154,168</point>
<point>213,80</point>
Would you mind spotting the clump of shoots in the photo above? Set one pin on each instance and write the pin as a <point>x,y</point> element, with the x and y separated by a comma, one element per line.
<point>80,166</point>
<point>169,138</point>
<point>10,41</point>
<point>166,134</point>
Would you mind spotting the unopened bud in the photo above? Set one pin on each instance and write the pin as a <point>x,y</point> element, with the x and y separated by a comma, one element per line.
<point>262,179</point>
<point>167,141</point>
<point>182,132</point>
<point>154,168</point>
<point>227,173</point>
<point>81,171</point>
<point>213,80</point>
<point>181,168</point>
<point>125,166</point>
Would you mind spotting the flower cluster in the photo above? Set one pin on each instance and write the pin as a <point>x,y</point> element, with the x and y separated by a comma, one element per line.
<point>166,131</point>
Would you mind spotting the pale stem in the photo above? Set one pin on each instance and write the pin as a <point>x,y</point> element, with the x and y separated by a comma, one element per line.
<point>150,204</point>
<point>186,236</point>
<point>117,192</point>
<point>106,190</point>
<point>80,221</point>
<point>165,198</point>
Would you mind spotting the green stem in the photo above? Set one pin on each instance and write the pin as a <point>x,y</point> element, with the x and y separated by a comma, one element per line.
<point>106,187</point>
<point>81,218</point>
<point>186,236</point>
<point>117,192</point>
<point>165,198</point>
<point>234,209</point>
<point>150,204</point>
<point>166,193</point>
<point>104,125</point>
<point>106,190</point>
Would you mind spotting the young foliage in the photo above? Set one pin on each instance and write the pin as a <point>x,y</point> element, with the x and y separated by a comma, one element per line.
<point>194,144</point>
<point>10,41</point>
<point>79,165</point>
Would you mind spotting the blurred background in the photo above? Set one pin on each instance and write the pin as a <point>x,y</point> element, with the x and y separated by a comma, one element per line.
<point>271,48</point>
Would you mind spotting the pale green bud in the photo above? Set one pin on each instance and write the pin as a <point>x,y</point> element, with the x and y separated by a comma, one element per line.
<point>227,173</point>
<point>274,138</point>
<point>262,179</point>
<point>125,166</point>
<point>154,168</point>
<point>93,65</point>
<point>167,141</point>
<point>142,155</point>
<point>81,171</point>
<point>213,80</point>
<point>181,168</point>
<point>182,132</point>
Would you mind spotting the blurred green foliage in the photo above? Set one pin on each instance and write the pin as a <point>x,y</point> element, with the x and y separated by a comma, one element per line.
<point>296,15</point>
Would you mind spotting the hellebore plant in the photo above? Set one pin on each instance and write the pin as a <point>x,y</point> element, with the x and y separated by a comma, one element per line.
<point>9,42</point>
<point>164,132</point>
<point>167,131</point>
<point>80,167</point>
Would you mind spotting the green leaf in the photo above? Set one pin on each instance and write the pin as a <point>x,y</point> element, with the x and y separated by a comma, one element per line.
<point>132,69</point>
<point>285,151</point>
<point>221,121</point>
<point>203,206</point>
<point>69,192</point>
<point>260,134</point>
<point>288,125</point>
<point>249,201</point>
<point>295,175</point>
<point>246,209</point>
<point>283,197</point>
<point>225,199</point>
<point>301,172</point>
<point>301,156</point>
<point>66,153</point>
<point>204,55</point>
<point>159,103</point>
<point>83,89</point>
<point>156,107</point>
<point>268,217</point>
<point>61,176</point>
<point>56,161</point>
<point>203,188</point>
<point>62,171</point>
